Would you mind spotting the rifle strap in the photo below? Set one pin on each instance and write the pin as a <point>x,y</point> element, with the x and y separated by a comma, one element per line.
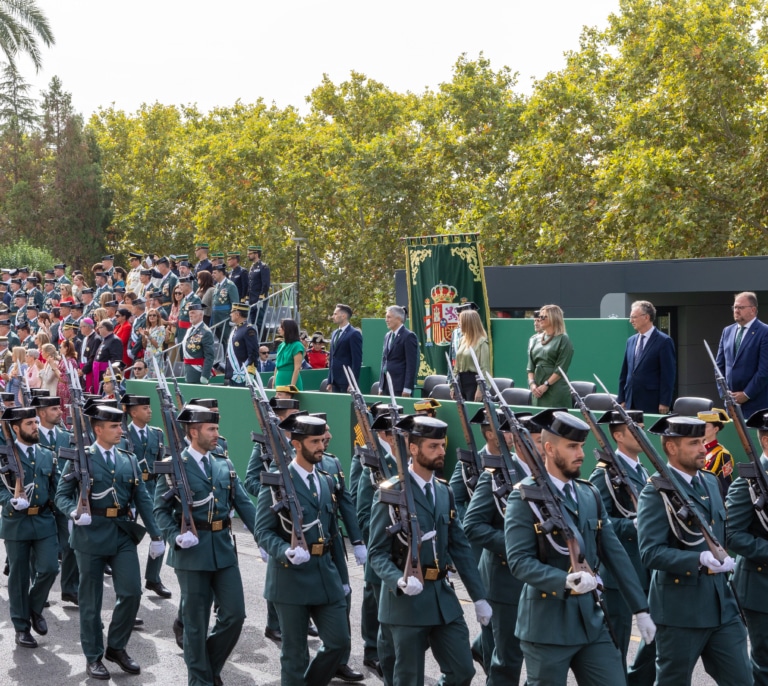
<point>599,534</point>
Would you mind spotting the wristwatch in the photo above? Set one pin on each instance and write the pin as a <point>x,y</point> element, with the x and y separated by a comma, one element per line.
<point>546,383</point>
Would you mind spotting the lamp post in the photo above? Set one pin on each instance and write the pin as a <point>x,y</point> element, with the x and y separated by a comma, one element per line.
<point>298,240</point>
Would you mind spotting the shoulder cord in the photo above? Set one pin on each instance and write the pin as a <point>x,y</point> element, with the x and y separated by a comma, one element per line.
<point>677,526</point>
<point>623,511</point>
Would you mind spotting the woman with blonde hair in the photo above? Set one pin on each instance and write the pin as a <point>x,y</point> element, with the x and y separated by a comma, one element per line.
<point>153,337</point>
<point>473,337</point>
<point>99,315</point>
<point>550,349</point>
<point>50,374</point>
<point>16,372</point>
<point>78,283</point>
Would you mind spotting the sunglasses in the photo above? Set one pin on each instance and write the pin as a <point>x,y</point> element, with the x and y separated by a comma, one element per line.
<point>264,353</point>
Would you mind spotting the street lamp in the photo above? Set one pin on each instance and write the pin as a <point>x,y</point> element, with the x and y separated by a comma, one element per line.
<point>298,240</point>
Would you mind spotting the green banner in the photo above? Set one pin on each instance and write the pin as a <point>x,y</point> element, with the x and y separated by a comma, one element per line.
<point>442,272</point>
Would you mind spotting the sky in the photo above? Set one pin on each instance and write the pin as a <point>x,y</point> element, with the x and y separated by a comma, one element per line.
<point>123,54</point>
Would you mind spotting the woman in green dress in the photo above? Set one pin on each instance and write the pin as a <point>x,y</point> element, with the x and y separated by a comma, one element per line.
<point>549,350</point>
<point>290,355</point>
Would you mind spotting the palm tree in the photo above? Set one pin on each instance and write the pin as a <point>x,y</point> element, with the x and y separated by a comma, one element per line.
<point>22,25</point>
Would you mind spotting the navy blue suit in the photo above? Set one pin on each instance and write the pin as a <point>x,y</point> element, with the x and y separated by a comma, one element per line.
<point>400,358</point>
<point>648,380</point>
<point>346,351</point>
<point>747,371</point>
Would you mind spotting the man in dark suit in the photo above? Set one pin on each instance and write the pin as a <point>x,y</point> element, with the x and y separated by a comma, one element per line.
<point>743,355</point>
<point>346,350</point>
<point>647,378</point>
<point>400,356</point>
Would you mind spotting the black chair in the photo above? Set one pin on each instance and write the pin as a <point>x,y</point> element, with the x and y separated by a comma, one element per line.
<point>504,383</point>
<point>517,396</point>
<point>323,385</point>
<point>691,406</point>
<point>430,382</point>
<point>599,402</point>
<point>375,389</point>
<point>441,391</point>
<point>584,387</point>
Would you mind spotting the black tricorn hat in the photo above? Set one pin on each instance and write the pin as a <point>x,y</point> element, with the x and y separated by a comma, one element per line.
<point>525,419</point>
<point>303,425</point>
<point>283,403</point>
<point>210,403</point>
<point>7,397</point>
<point>758,420</point>
<point>481,417</point>
<point>101,412</point>
<point>381,407</point>
<point>679,427</point>
<point>195,414</point>
<point>17,414</point>
<point>561,423</point>
<point>382,423</point>
<point>40,392</point>
<point>614,418</point>
<point>130,400</point>
<point>423,426</point>
<point>95,400</point>
<point>45,401</point>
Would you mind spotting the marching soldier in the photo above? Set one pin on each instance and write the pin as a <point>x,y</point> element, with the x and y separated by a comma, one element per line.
<point>108,536</point>
<point>748,536</point>
<point>623,515</point>
<point>197,348</point>
<point>304,583</point>
<point>719,460</point>
<point>28,526</point>
<point>560,624</point>
<point>224,296</point>
<point>54,437</point>
<point>242,347</point>
<point>206,562</point>
<point>691,600</point>
<point>414,615</point>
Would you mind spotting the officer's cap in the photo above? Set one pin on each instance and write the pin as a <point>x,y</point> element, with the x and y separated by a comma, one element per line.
<point>466,306</point>
<point>254,248</point>
<point>130,400</point>
<point>561,423</point>
<point>303,425</point>
<point>614,418</point>
<point>135,255</point>
<point>679,427</point>
<point>233,253</point>
<point>103,413</point>
<point>210,403</point>
<point>146,272</point>
<point>111,258</point>
<point>185,279</point>
<point>194,307</point>
<point>20,294</point>
<point>241,307</point>
<point>87,291</point>
<point>61,265</point>
<point>287,389</point>
<point>17,414</point>
<point>201,244</point>
<point>418,425</point>
<point>218,268</point>
<point>196,414</point>
<point>162,260</point>
<point>41,402</point>
<point>283,403</point>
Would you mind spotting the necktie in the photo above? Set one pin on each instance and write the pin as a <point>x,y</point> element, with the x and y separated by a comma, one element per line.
<point>641,346</point>
<point>641,471</point>
<point>31,454</point>
<point>335,338</point>
<point>737,342</point>
<point>311,480</point>
<point>697,486</point>
<point>108,459</point>
<point>206,466</point>
<point>51,437</point>
<point>570,499</point>
<point>428,493</point>
<point>143,436</point>
<point>390,338</point>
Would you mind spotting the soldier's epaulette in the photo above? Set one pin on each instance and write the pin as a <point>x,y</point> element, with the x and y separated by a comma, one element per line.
<point>442,481</point>
<point>602,465</point>
<point>123,450</point>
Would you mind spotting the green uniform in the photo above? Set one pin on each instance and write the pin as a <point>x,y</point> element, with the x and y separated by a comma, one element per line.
<point>225,294</point>
<point>433,618</point>
<point>100,290</point>
<point>208,569</point>
<point>559,630</point>
<point>167,286</point>
<point>484,526</point>
<point>70,575</point>
<point>198,352</point>
<point>748,538</point>
<point>108,541</point>
<point>28,533</point>
<point>183,322</point>
<point>310,590</point>
<point>643,670</point>
<point>696,613</point>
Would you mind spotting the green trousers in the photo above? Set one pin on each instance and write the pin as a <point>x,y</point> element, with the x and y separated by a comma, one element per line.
<point>369,620</point>
<point>191,375</point>
<point>757,626</point>
<point>507,657</point>
<point>70,574</point>
<point>332,625</point>
<point>206,653</point>
<point>126,580</point>
<point>152,570</point>
<point>23,597</point>
<point>642,672</point>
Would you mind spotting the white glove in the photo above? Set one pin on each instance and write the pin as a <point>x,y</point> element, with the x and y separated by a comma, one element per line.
<point>204,380</point>
<point>20,503</point>
<point>187,540</point>
<point>156,549</point>
<point>707,559</point>
<point>361,554</point>
<point>264,554</point>
<point>297,556</point>
<point>411,587</point>
<point>483,612</point>
<point>83,520</point>
<point>646,627</point>
<point>581,582</point>
<point>347,589</point>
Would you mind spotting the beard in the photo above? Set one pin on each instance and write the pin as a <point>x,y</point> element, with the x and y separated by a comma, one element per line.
<point>561,464</point>
<point>29,438</point>
<point>431,463</point>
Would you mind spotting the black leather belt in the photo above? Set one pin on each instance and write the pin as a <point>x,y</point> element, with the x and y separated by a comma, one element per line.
<point>434,574</point>
<point>109,512</point>
<point>215,525</point>
<point>37,509</point>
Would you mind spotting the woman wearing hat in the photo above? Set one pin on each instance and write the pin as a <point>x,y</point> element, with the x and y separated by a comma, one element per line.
<point>317,355</point>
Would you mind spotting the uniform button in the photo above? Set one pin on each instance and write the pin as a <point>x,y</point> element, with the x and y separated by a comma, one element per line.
<point>543,595</point>
<point>759,569</point>
<point>677,581</point>
<point>687,574</point>
<point>554,592</point>
<point>214,488</point>
<point>215,500</point>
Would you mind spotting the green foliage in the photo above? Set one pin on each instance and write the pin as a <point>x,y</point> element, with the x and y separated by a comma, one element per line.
<point>24,254</point>
<point>22,26</point>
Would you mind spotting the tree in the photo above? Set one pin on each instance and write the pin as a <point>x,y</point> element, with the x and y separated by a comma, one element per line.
<point>22,25</point>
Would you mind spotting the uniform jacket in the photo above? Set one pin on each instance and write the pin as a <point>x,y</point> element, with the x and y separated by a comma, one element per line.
<point>245,343</point>
<point>216,549</point>
<point>224,294</point>
<point>147,452</point>
<point>239,277</point>
<point>400,358</point>
<point>346,350</point>
<point>747,371</point>
<point>258,281</point>
<point>547,614</point>
<point>680,594</point>
<point>101,536</point>
<point>647,381</point>
<point>437,603</point>
<point>62,439</point>
<point>200,344</point>
<point>749,540</point>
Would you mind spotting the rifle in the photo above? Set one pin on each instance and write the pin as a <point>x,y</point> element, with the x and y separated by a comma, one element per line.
<point>472,464</point>
<point>78,454</point>
<point>406,528</point>
<point>675,500</point>
<point>175,466</point>
<point>752,471</point>
<point>371,454</point>
<point>12,460</point>
<point>176,389</point>
<point>276,446</point>
<point>614,469</point>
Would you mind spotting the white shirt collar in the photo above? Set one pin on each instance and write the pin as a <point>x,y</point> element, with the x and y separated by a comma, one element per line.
<point>630,462</point>
<point>747,325</point>
<point>561,484</point>
<point>686,477</point>
<point>198,457</point>
<point>421,482</point>
<point>303,473</point>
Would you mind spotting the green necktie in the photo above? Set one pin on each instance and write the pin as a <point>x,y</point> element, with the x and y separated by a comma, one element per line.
<point>698,486</point>
<point>311,480</point>
<point>108,458</point>
<point>206,466</point>
<point>737,342</point>
<point>570,500</point>
<point>428,493</point>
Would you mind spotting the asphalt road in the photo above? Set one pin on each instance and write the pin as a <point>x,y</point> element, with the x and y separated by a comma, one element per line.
<point>256,659</point>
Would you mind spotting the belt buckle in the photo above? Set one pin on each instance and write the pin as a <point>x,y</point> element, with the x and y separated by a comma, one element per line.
<point>112,511</point>
<point>218,525</point>
<point>318,548</point>
<point>33,510</point>
<point>432,574</point>
<point>145,476</point>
